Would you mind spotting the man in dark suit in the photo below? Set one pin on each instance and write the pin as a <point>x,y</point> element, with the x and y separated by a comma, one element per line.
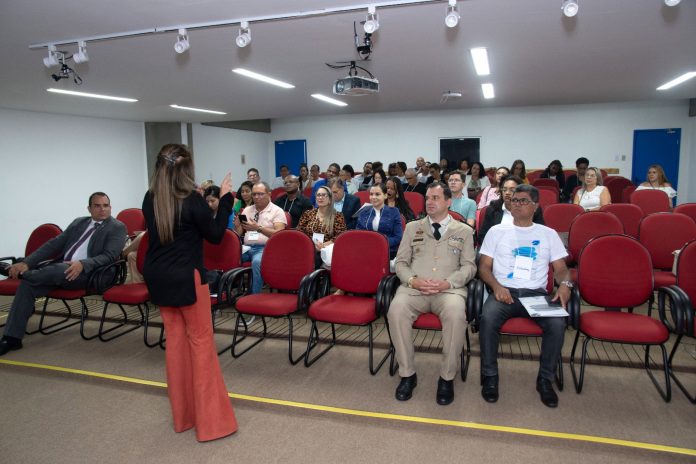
<point>413,184</point>
<point>88,243</point>
<point>345,203</point>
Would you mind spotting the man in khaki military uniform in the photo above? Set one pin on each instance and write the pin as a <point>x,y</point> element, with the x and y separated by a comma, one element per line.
<point>435,261</point>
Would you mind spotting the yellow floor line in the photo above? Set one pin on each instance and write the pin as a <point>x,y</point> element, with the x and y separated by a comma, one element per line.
<point>385,416</point>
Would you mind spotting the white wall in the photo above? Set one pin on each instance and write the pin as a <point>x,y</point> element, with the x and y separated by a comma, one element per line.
<point>602,132</point>
<point>52,163</point>
<point>218,150</point>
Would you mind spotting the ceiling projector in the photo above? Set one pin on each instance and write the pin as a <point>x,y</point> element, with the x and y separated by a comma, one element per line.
<point>356,85</point>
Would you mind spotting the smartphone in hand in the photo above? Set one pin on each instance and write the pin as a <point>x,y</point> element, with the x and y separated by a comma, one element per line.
<point>243,218</point>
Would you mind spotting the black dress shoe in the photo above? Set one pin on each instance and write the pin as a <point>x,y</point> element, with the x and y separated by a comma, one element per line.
<point>9,344</point>
<point>445,391</point>
<point>405,389</point>
<point>546,393</point>
<point>489,390</point>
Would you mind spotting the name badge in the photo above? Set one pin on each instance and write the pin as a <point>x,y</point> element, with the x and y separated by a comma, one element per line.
<point>523,268</point>
<point>252,236</point>
<point>317,237</point>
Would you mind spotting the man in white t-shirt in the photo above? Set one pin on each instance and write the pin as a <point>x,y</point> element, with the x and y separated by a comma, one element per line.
<point>514,263</point>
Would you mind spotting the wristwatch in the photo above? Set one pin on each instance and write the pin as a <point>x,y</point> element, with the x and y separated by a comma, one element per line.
<point>259,229</point>
<point>568,283</point>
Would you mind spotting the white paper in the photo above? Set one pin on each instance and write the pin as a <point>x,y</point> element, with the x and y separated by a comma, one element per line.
<point>540,306</point>
<point>317,237</point>
<point>523,268</point>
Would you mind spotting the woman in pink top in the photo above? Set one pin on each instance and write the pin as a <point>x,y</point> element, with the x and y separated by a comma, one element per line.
<point>492,192</point>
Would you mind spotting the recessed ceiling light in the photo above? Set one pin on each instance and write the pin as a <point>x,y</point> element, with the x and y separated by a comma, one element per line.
<point>672,2</point>
<point>201,110</point>
<point>480,57</point>
<point>677,81</point>
<point>326,99</point>
<point>570,8</point>
<point>488,91</point>
<point>91,95</point>
<point>262,78</point>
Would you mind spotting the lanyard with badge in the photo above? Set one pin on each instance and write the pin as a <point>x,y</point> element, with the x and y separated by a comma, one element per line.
<point>253,235</point>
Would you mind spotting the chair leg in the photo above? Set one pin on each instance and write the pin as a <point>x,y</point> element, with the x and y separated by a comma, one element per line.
<point>56,326</point>
<point>123,323</point>
<point>83,318</point>
<point>313,341</point>
<point>235,342</point>
<point>304,353</point>
<point>559,373</point>
<point>579,380</point>
<point>665,393</point>
<point>370,343</point>
<point>146,324</point>
<point>466,356</point>
<point>681,386</point>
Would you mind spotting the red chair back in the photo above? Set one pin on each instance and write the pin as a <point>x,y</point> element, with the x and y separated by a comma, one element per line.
<point>575,191</point>
<point>225,255</point>
<point>134,220</point>
<point>360,260</point>
<point>455,215</point>
<point>686,270</point>
<point>277,192</point>
<point>615,271</point>
<point>626,193</point>
<point>546,183</point>
<point>287,258</point>
<point>416,201</point>
<point>142,251</point>
<point>587,226</point>
<point>687,208</point>
<point>629,215</point>
<point>547,196</point>
<point>651,201</point>
<point>481,215</point>
<point>569,172</point>
<point>616,185</point>
<point>307,192</point>
<point>41,235</point>
<point>534,175</point>
<point>662,233</point>
<point>364,196</point>
<point>559,216</point>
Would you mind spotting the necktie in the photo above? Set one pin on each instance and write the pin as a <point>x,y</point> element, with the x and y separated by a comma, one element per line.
<point>437,235</point>
<point>85,236</point>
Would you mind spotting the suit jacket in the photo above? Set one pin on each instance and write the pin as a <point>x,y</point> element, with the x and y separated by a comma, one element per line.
<point>494,215</point>
<point>389,225</point>
<point>104,245</point>
<point>451,258</point>
<point>351,205</point>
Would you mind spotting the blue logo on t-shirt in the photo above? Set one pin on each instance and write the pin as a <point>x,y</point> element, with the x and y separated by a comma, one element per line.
<point>529,252</point>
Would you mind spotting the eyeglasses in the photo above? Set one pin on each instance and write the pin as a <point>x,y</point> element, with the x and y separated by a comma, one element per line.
<point>521,201</point>
<point>322,195</point>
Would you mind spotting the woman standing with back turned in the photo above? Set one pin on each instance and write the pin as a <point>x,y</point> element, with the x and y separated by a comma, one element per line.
<point>178,219</point>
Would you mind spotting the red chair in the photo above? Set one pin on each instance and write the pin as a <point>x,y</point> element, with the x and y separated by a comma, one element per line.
<point>416,201</point>
<point>534,175</point>
<point>651,201</point>
<point>456,216</point>
<point>682,302</point>
<point>277,192</point>
<point>363,281</point>
<point>480,217</point>
<point>547,196</point>
<point>584,228</point>
<point>614,272</point>
<point>559,216</point>
<point>131,294</point>
<point>570,172</point>
<point>616,186</point>
<point>307,192</point>
<point>364,196</point>
<point>545,182</point>
<point>286,265</point>
<point>687,208</point>
<point>661,234</point>
<point>629,215</point>
<point>626,193</point>
<point>134,220</point>
<point>575,191</point>
<point>222,258</point>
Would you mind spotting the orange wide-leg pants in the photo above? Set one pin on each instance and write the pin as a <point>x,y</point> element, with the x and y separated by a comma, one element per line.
<point>196,389</point>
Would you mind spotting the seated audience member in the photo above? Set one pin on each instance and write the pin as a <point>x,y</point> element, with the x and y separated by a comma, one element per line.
<point>88,243</point>
<point>420,161</point>
<point>348,181</point>
<point>333,171</point>
<point>499,211</point>
<point>492,192</point>
<point>314,176</point>
<point>476,180</point>
<point>555,171</point>
<point>423,173</point>
<point>434,263</point>
<point>212,197</point>
<point>253,176</point>
<point>413,184</point>
<point>343,202</point>
<point>323,223</point>
<point>365,178</point>
<point>244,197</point>
<point>444,168</point>
<point>351,172</point>
<point>258,223</point>
<point>520,170</point>
<point>658,181</point>
<point>396,199</point>
<point>435,174</point>
<point>204,185</point>
<point>514,263</point>
<point>381,218</point>
<point>464,166</point>
<point>279,182</point>
<point>378,177</point>
<point>293,201</point>
<point>304,177</point>
<point>461,203</point>
<point>593,195</point>
<point>401,171</point>
<point>575,180</point>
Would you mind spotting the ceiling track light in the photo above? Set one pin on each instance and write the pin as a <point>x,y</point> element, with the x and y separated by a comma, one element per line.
<point>570,8</point>
<point>244,37</point>
<point>182,41</point>
<point>81,55</point>
<point>371,22</point>
<point>452,18</point>
<point>54,57</point>
<point>672,2</point>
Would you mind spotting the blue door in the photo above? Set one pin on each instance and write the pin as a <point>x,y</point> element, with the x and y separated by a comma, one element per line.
<point>292,153</point>
<point>656,146</point>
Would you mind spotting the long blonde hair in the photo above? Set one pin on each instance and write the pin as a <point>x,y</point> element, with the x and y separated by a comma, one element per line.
<point>330,217</point>
<point>172,181</point>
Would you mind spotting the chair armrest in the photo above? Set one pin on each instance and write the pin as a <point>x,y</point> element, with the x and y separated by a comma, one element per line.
<point>105,277</point>
<point>231,286</point>
<point>313,286</point>
<point>679,309</point>
<point>12,259</point>
<point>574,308</point>
<point>385,293</point>
<point>474,303</point>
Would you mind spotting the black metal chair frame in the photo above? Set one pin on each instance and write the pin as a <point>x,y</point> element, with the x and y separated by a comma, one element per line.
<point>682,324</point>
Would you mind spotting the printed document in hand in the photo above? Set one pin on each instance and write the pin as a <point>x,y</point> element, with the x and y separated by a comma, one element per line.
<point>541,306</point>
